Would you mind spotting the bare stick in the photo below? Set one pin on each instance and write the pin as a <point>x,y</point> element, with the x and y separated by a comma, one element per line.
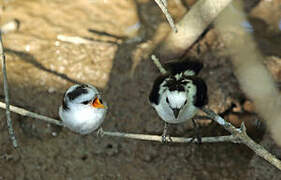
<point>6,92</point>
<point>242,137</point>
<point>163,4</point>
<point>24,112</point>
<point>171,139</point>
<point>74,39</point>
<point>27,113</point>
<point>158,64</point>
<point>238,135</point>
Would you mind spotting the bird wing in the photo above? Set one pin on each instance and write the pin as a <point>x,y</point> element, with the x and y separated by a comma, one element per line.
<point>155,92</point>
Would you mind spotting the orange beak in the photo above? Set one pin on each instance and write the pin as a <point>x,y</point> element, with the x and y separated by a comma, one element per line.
<point>97,104</point>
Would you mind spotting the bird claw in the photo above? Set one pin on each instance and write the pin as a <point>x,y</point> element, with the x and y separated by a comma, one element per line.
<point>100,132</point>
<point>198,138</point>
<point>165,140</point>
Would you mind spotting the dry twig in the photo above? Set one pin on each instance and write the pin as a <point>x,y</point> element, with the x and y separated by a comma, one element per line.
<point>24,112</point>
<point>6,92</point>
<point>163,6</point>
<point>158,64</point>
<point>146,137</point>
<point>237,135</point>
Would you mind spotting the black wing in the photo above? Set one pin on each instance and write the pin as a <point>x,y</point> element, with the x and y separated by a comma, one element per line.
<point>64,103</point>
<point>154,94</point>
<point>178,67</point>
<point>201,97</point>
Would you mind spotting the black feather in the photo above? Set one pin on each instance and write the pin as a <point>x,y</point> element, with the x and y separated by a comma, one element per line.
<point>154,94</point>
<point>64,104</point>
<point>201,97</point>
<point>175,85</point>
<point>178,67</point>
<point>77,92</point>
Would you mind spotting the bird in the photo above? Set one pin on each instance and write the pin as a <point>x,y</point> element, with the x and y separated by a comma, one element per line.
<point>179,93</point>
<point>83,110</point>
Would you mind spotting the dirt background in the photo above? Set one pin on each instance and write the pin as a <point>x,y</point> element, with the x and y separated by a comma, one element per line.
<point>41,67</point>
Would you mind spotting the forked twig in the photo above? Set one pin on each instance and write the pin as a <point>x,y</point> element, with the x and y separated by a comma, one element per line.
<point>6,92</point>
<point>242,137</point>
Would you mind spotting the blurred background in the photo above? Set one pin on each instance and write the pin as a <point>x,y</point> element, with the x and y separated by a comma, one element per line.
<point>52,44</point>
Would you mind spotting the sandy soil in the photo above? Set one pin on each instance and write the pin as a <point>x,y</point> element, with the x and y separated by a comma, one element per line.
<point>41,67</point>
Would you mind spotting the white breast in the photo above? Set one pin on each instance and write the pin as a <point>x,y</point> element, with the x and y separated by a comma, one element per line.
<point>82,119</point>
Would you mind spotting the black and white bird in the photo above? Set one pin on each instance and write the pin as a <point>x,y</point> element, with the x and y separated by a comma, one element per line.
<point>82,110</point>
<point>177,95</point>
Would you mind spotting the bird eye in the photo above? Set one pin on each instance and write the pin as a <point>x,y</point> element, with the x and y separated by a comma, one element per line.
<point>86,102</point>
<point>167,100</point>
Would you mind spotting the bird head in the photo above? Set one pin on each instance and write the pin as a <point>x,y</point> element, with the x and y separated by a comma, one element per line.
<point>84,96</point>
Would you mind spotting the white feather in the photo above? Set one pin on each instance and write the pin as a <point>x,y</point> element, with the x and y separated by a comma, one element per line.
<point>82,118</point>
<point>183,100</point>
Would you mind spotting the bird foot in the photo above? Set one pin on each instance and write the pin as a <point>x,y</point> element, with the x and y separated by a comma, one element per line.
<point>100,132</point>
<point>166,138</point>
<point>198,138</point>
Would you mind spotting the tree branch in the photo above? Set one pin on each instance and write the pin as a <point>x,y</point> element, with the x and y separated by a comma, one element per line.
<point>24,112</point>
<point>163,6</point>
<point>6,92</point>
<point>238,135</point>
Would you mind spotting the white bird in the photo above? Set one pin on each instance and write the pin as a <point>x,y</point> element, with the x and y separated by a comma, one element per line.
<point>82,110</point>
<point>177,95</point>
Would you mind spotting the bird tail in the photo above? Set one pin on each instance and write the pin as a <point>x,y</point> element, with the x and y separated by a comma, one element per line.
<point>188,67</point>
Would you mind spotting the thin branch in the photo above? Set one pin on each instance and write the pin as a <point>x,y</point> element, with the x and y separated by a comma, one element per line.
<point>146,137</point>
<point>164,3</point>
<point>158,138</point>
<point>6,92</point>
<point>24,112</point>
<point>238,135</point>
<point>158,64</point>
<point>163,6</point>
<point>242,137</point>
<point>74,39</point>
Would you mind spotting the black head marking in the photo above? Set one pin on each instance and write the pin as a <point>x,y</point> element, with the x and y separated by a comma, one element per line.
<point>64,104</point>
<point>154,94</point>
<point>178,67</point>
<point>81,89</point>
<point>201,97</point>
<point>174,85</point>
